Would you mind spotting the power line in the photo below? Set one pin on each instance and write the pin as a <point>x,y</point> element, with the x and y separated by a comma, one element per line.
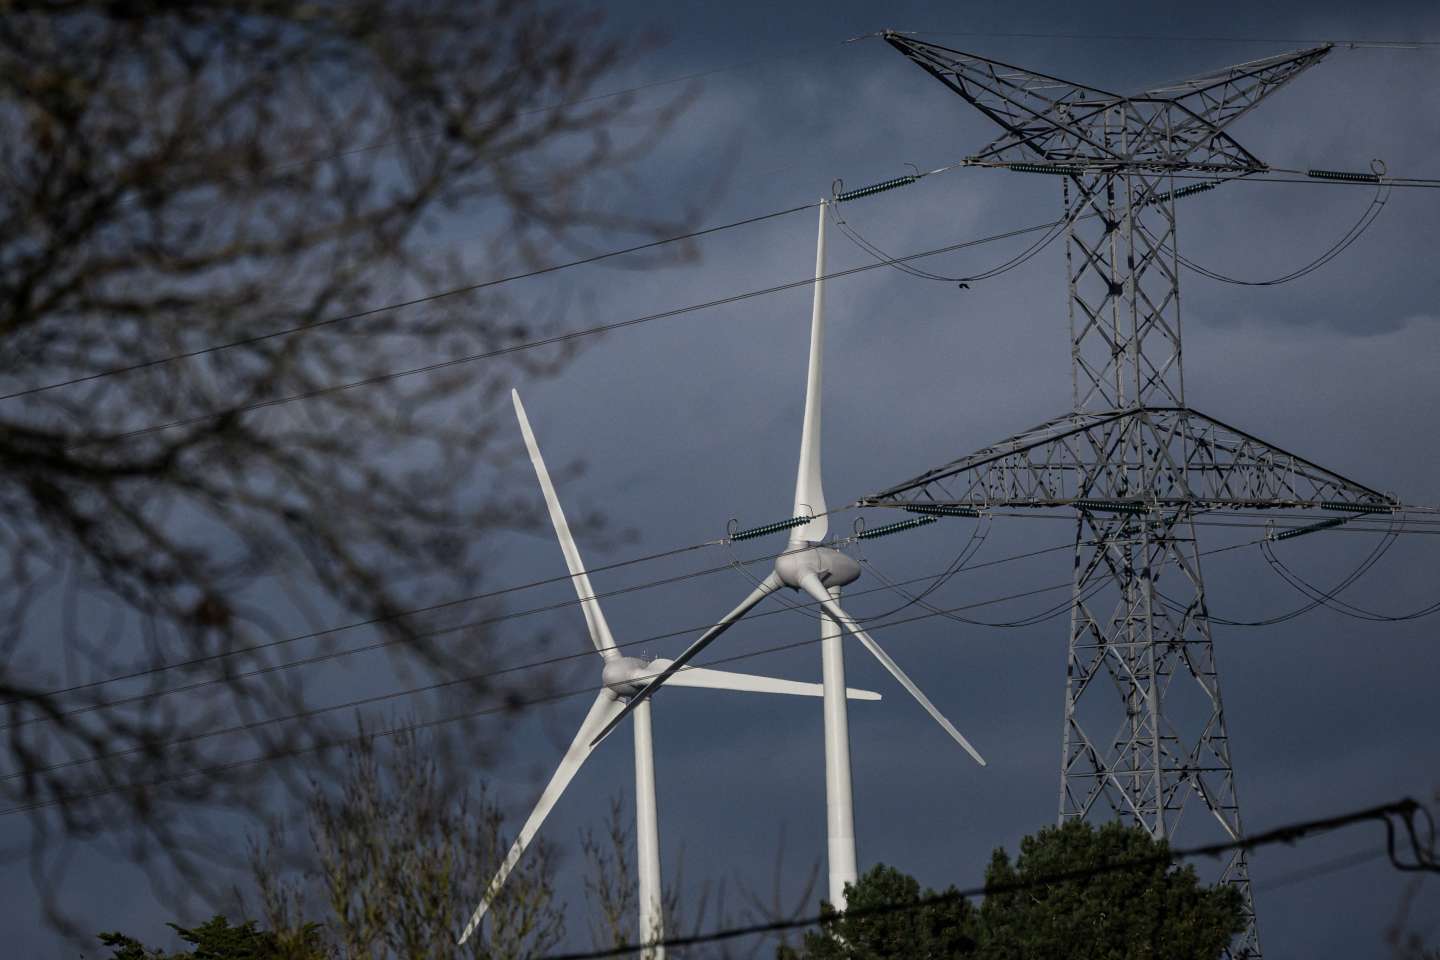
<point>1422,183</point>
<point>380,644</point>
<point>950,613</point>
<point>356,624</point>
<point>486,711</point>
<point>1330,600</point>
<point>885,259</point>
<point>1360,570</point>
<point>1054,231</point>
<point>367,648</point>
<point>386,308</point>
<point>1368,218</point>
<point>339,654</point>
<point>516,588</point>
<point>1403,526</point>
<point>550,661</point>
<point>546,341</point>
<point>509,707</point>
<point>1353,43</point>
<point>1321,869</point>
<point>1405,811</point>
<point>1267,174</point>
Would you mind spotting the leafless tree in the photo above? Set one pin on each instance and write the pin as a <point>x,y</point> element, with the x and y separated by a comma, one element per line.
<point>611,898</point>
<point>207,206</point>
<point>397,856</point>
<point>610,881</point>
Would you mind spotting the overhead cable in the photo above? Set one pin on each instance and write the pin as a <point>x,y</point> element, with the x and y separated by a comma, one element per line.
<point>1376,553</point>
<point>389,307</point>
<point>1333,602</point>
<point>1367,218</point>
<point>1351,43</point>
<point>1403,813</point>
<point>509,707</point>
<point>457,681</point>
<point>329,656</point>
<point>566,337</point>
<point>902,263</point>
<point>932,611</point>
<point>952,613</point>
<point>1052,231</point>
<point>1396,527</point>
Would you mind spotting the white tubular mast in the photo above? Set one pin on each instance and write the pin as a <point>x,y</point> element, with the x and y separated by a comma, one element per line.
<point>651,929</point>
<point>839,794</point>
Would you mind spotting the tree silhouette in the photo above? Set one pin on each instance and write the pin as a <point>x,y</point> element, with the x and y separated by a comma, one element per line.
<point>216,939</point>
<point>1153,911</point>
<point>208,206</point>
<point>398,855</point>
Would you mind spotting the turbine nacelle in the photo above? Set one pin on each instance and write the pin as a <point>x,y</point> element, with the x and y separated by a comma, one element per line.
<point>626,676</point>
<point>830,566</point>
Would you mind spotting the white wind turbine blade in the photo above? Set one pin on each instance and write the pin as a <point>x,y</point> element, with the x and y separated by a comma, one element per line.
<point>812,586</point>
<point>767,586</point>
<point>809,493</point>
<point>604,707</point>
<point>594,617</point>
<point>705,678</point>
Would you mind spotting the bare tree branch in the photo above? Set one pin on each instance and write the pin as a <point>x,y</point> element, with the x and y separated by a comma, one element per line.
<point>179,175</point>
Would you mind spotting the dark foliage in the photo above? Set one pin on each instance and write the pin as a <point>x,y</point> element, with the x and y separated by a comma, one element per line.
<point>1154,912</point>
<point>926,925</point>
<point>216,939</point>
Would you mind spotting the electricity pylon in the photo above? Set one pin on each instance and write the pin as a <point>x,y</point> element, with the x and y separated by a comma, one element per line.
<point>1131,459</point>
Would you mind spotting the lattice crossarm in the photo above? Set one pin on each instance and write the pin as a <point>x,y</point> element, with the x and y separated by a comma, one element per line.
<point>1225,95</point>
<point>1178,126</point>
<point>1033,108</point>
<point>1192,459</point>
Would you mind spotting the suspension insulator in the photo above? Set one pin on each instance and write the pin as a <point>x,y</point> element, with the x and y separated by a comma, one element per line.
<point>1189,191</point>
<point>1301,531</point>
<point>1343,176</point>
<point>775,527</point>
<point>1110,506</point>
<point>942,510</point>
<point>874,188</point>
<point>896,527</point>
<point>1357,507</point>
<point>1059,170</point>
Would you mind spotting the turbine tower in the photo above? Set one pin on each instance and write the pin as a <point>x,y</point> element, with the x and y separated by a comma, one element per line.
<point>621,677</point>
<point>810,566</point>
<point>1131,459</point>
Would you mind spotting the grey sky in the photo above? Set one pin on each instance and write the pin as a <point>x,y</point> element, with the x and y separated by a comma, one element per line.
<point>688,422</point>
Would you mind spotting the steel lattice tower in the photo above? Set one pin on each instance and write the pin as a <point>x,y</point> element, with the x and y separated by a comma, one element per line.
<point>1131,459</point>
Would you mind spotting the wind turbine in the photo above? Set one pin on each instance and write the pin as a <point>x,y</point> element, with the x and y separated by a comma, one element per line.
<point>807,565</point>
<point>622,678</point>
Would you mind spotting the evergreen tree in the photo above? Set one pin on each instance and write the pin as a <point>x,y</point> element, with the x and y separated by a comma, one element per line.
<point>216,939</point>
<point>1142,913</point>
<point>1153,912</point>
<point>935,930</point>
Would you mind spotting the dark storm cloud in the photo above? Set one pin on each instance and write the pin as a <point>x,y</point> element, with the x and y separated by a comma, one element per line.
<point>688,422</point>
